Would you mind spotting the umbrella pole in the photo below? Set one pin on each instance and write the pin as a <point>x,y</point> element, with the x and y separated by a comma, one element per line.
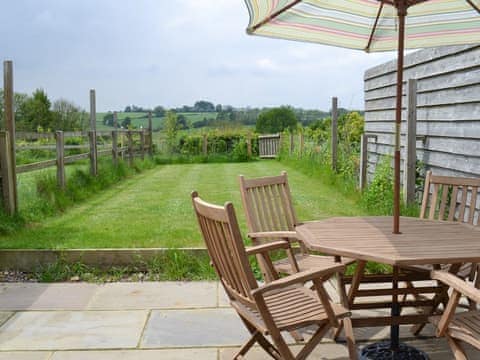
<point>402,11</point>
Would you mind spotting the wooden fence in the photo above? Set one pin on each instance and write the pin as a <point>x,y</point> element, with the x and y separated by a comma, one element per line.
<point>268,146</point>
<point>122,144</point>
<point>441,113</point>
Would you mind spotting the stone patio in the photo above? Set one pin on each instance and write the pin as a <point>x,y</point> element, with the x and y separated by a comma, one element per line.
<point>141,321</point>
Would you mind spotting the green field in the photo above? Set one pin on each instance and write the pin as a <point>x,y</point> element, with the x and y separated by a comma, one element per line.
<point>153,209</point>
<point>140,119</point>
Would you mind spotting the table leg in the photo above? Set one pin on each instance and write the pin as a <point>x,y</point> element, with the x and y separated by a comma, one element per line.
<point>356,280</point>
<point>395,312</point>
<point>392,349</point>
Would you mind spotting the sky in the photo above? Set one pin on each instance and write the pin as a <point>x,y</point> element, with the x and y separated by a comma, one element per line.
<point>171,53</point>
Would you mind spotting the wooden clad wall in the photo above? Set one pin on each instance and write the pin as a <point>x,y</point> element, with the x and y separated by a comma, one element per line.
<point>448,109</point>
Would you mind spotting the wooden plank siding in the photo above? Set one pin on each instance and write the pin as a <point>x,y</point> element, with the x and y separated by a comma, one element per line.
<point>448,110</point>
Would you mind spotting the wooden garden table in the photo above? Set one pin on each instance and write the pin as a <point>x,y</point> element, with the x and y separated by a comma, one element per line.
<point>422,242</point>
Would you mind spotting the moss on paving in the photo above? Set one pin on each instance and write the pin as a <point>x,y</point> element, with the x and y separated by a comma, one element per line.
<point>154,209</point>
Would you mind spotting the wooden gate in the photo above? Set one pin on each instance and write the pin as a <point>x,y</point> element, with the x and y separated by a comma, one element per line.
<point>269,145</point>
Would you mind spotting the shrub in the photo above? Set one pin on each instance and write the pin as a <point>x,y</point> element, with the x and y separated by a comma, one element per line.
<point>378,196</point>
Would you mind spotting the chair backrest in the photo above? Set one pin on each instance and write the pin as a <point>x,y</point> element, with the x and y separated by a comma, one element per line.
<point>450,198</point>
<point>268,203</point>
<point>221,233</point>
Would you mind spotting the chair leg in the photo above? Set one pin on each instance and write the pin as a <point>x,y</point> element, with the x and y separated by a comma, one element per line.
<point>282,347</point>
<point>352,348</point>
<point>260,339</point>
<point>476,282</point>
<point>342,294</point>
<point>313,342</point>
<point>440,298</point>
<point>456,348</point>
<point>244,349</point>
<point>437,300</point>
<point>337,332</point>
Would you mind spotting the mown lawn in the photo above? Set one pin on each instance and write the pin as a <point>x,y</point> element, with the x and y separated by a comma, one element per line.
<point>153,209</point>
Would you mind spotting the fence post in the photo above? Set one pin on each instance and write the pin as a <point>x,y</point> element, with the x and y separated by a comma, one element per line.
<point>115,147</point>
<point>142,144</point>
<point>334,132</point>
<point>302,143</point>
<point>92,138</point>
<point>8,179</point>
<point>205,145</point>
<point>150,134</point>
<point>93,110</point>
<point>61,181</point>
<point>292,143</point>
<point>115,120</point>
<point>115,139</point>
<point>9,116</point>
<point>130,147</point>
<point>249,146</point>
<point>363,161</point>
<point>409,173</point>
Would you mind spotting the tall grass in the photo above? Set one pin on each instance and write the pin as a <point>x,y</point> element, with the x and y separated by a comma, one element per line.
<point>173,265</point>
<point>47,199</point>
<point>315,161</point>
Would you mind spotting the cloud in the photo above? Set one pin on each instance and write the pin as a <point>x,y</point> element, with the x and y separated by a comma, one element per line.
<point>266,64</point>
<point>151,52</point>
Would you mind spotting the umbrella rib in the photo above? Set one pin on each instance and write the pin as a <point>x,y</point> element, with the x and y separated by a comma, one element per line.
<point>273,15</point>
<point>367,48</point>
<point>473,5</point>
<point>415,2</point>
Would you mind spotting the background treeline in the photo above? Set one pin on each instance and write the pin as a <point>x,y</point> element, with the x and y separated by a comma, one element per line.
<point>37,113</point>
<point>206,114</point>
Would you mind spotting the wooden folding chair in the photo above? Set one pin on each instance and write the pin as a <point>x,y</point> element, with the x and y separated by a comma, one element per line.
<point>281,305</point>
<point>450,199</point>
<point>271,216</point>
<point>458,327</point>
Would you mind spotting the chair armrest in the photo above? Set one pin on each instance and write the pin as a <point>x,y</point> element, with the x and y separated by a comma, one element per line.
<point>274,245</point>
<point>273,234</point>
<point>458,284</point>
<point>299,278</point>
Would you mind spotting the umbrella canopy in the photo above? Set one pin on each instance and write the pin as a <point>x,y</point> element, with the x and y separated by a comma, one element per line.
<point>371,25</point>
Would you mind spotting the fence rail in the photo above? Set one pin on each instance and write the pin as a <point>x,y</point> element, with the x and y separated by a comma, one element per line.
<point>121,143</point>
<point>134,148</point>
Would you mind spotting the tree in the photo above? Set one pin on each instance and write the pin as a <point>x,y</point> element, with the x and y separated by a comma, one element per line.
<point>159,111</point>
<point>35,113</point>
<point>351,127</point>
<point>126,122</point>
<point>128,108</point>
<point>67,116</point>
<point>204,106</point>
<point>182,122</point>
<point>171,129</point>
<point>276,120</point>
<point>108,119</point>
<point>218,108</point>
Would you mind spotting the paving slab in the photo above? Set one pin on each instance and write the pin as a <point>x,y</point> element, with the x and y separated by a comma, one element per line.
<point>155,295</point>
<point>173,354</point>
<point>30,355</point>
<point>4,316</point>
<point>223,300</point>
<point>33,296</point>
<point>323,351</point>
<point>436,349</point>
<point>71,330</point>
<point>194,328</point>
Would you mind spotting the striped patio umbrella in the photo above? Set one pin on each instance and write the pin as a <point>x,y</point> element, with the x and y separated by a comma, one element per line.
<point>371,25</point>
